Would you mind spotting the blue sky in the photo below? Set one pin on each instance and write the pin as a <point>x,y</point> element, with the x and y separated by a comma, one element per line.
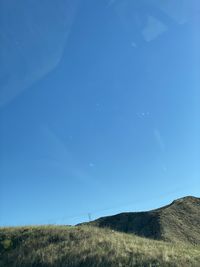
<point>99,108</point>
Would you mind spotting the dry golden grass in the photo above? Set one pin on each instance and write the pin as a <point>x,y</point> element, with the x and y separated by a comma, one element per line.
<point>84,246</point>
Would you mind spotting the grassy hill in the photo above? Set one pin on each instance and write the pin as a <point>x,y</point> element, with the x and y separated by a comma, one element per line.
<point>91,246</point>
<point>87,246</point>
<point>177,222</point>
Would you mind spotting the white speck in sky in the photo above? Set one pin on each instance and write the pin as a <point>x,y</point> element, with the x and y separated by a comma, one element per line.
<point>133,44</point>
<point>91,165</point>
<point>142,115</point>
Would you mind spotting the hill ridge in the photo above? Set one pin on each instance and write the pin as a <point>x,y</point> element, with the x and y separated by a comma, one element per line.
<point>178,221</point>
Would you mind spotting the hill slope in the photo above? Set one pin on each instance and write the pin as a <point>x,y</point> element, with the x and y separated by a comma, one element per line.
<point>87,246</point>
<point>91,246</point>
<point>178,222</point>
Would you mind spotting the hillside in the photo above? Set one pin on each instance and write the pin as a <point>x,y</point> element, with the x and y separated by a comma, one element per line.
<point>127,239</point>
<point>87,246</point>
<point>177,222</point>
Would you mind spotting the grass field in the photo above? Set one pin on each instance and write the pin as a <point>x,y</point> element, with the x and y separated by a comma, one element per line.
<point>87,246</point>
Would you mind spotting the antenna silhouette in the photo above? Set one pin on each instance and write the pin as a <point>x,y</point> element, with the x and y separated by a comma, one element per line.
<point>89,217</point>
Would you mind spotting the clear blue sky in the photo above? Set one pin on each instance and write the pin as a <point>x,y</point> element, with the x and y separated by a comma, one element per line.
<point>99,107</point>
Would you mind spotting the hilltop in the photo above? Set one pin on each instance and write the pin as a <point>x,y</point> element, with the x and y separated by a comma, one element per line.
<point>177,222</point>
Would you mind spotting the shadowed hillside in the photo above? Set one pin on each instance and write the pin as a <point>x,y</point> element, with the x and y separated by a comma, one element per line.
<point>178,222</point>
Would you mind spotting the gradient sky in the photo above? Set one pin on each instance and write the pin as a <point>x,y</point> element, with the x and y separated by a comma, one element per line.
<point>99,107</point>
